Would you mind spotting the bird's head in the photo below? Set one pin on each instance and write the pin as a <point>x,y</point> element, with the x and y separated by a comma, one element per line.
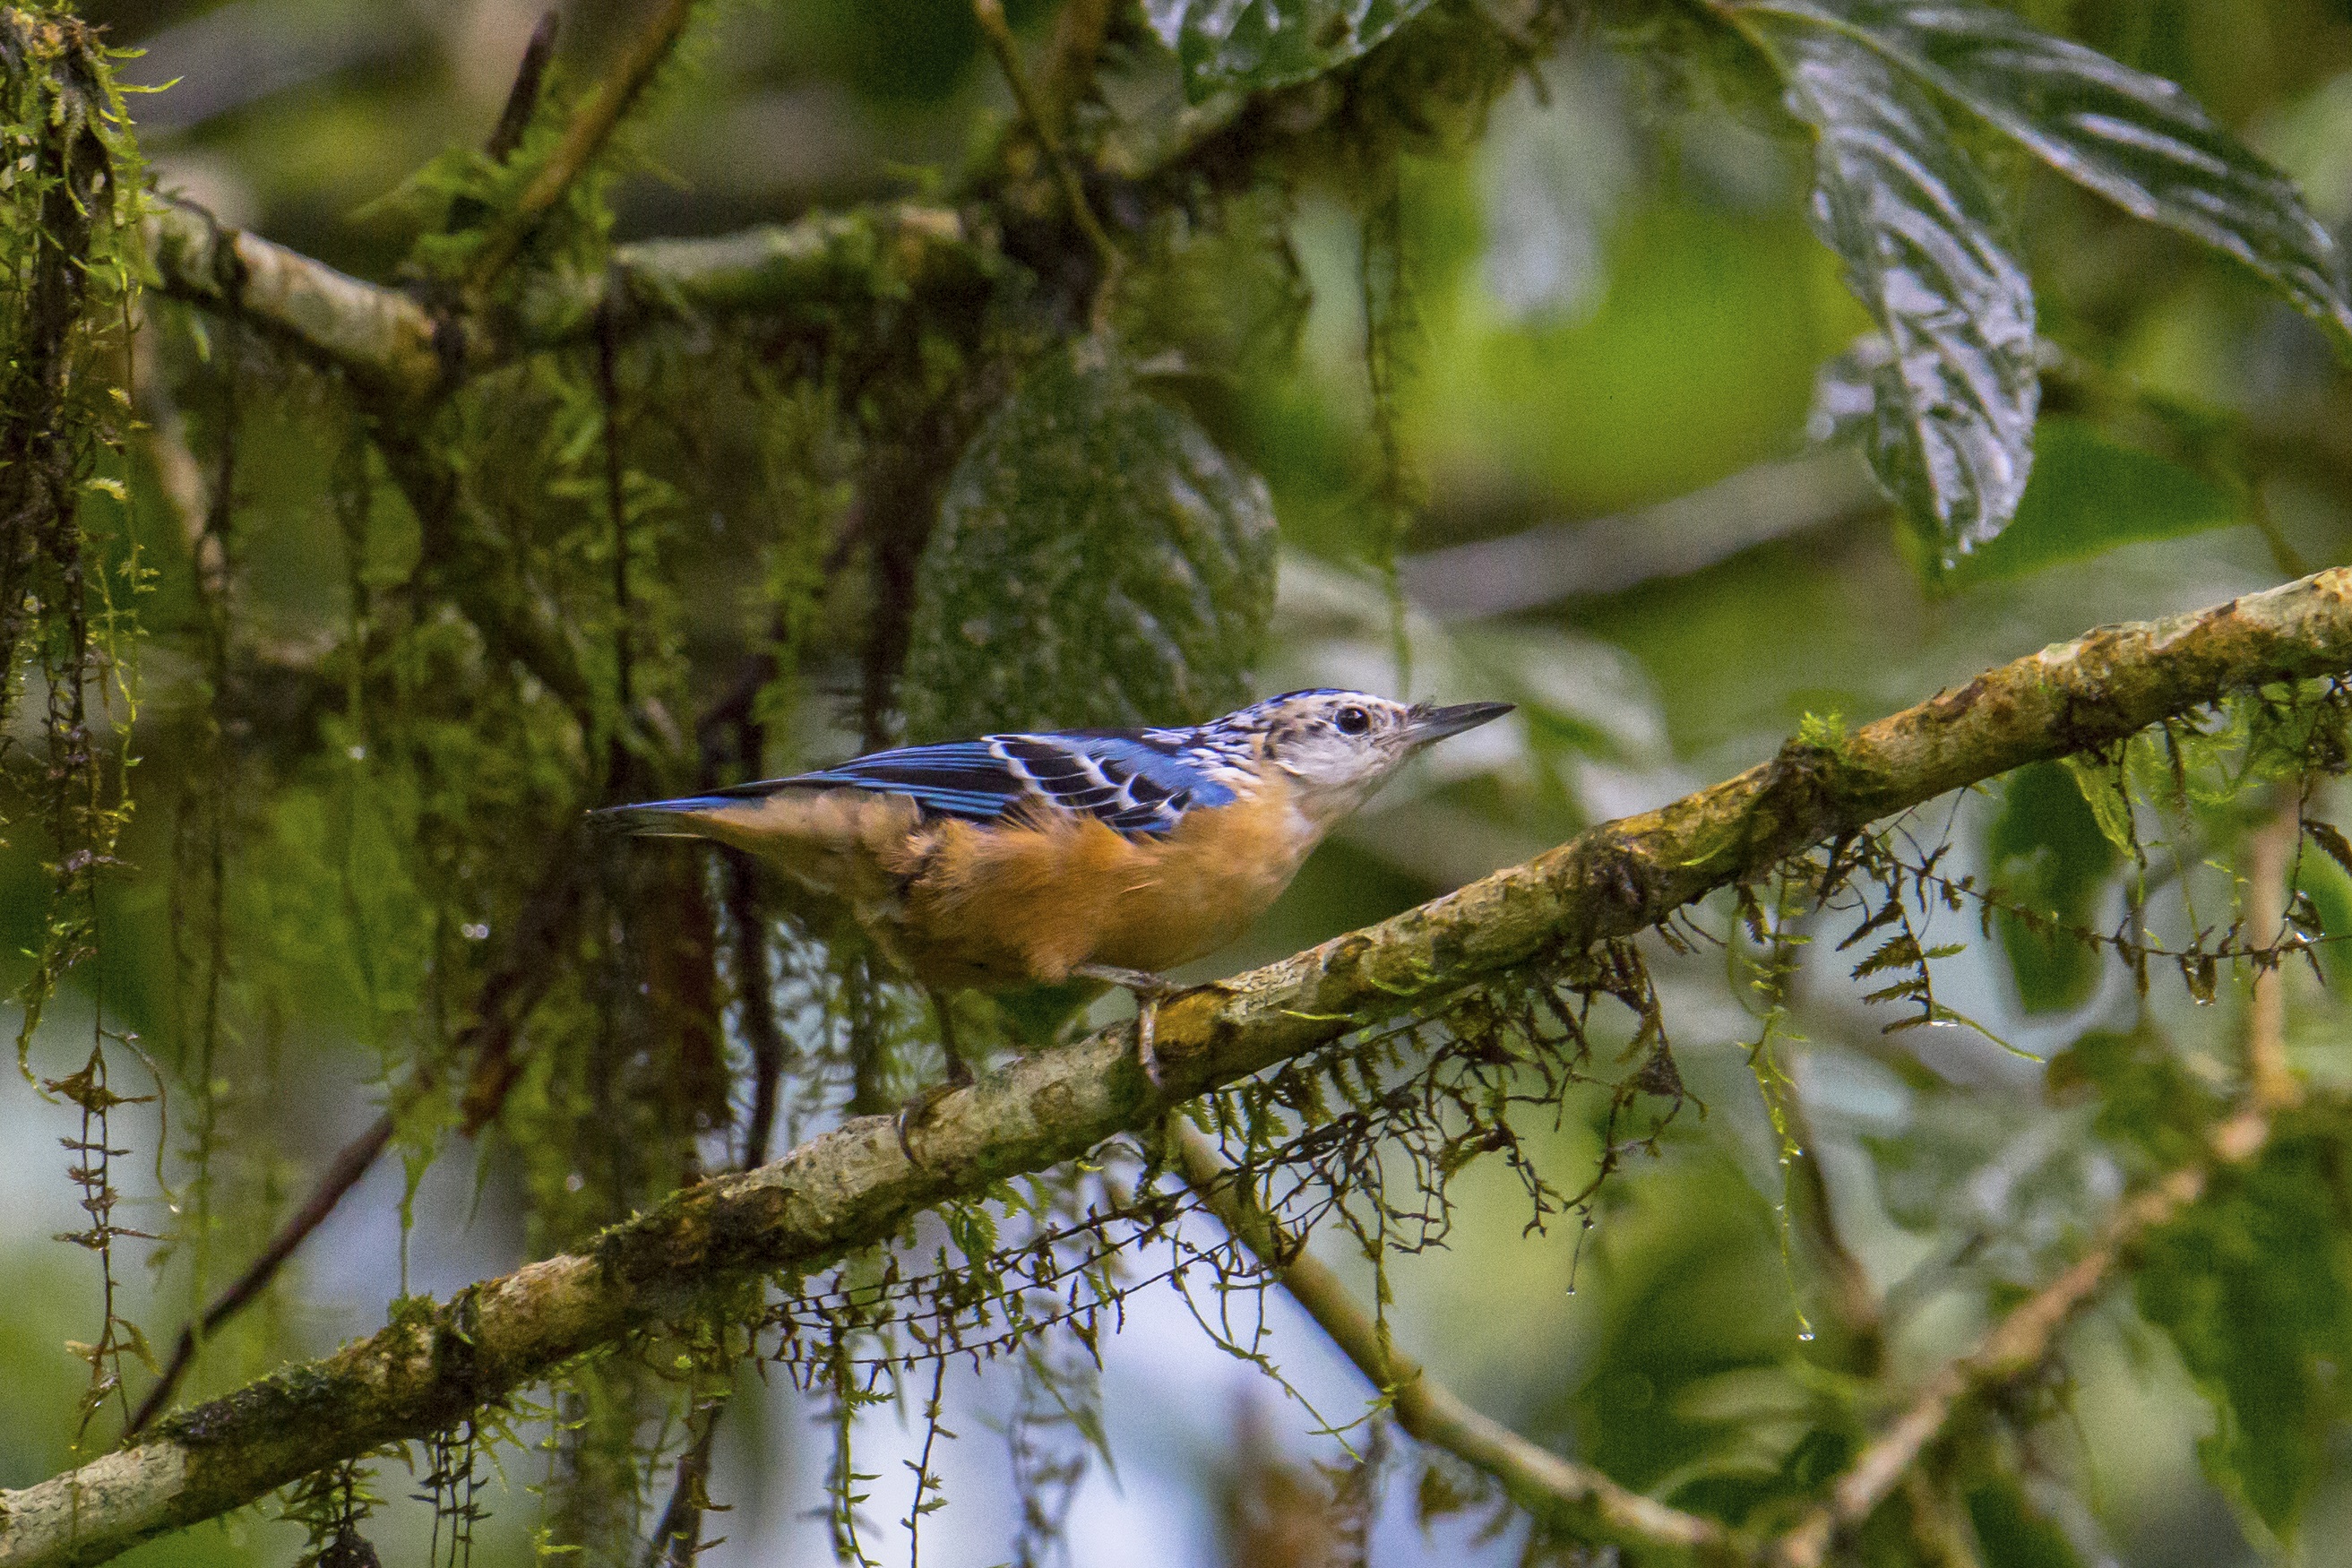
<point>1338,747</point>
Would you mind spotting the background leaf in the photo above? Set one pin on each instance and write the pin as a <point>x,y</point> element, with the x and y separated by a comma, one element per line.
<point>1097,561</point>
<point>1951,435</point>
<point>2049,855</point>
<point>2090,494</point>
<point>2137,140</point>
<point>2255,1286</point>
<point>1249,44</point>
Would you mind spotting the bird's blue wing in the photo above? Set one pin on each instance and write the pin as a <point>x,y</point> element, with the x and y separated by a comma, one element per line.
<point>1130,784</point>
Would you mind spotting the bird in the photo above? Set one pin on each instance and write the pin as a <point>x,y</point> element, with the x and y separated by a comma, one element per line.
<point>1024,859</point>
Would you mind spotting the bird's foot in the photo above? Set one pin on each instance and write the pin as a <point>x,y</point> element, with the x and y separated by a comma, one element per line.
<point>1148,989</point>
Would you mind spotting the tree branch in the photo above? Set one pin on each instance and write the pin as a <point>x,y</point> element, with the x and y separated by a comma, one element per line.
<point>393,346</point>
<point>1576,1499</point>
<point>858,1185</point>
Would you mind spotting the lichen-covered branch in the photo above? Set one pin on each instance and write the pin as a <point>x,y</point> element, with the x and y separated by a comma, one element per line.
<point>394,346</point>
<point>383,338</point>
<point>860,1185</point>
<point>1575,1499</point>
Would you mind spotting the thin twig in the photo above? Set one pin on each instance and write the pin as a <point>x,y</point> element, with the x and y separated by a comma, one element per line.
<point>582,140</point>
<point>1565,1495</point>
<point>522,98</point>
<point>678,1538</point>
<point>1042,125</point>
<point>2270,854</point>
<point>514,119</point>
<point>2017,1344</point>
<point>339,1177</point>
<point>1079,32</point>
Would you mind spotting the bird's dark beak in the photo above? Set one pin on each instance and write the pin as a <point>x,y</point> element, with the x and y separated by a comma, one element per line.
<point>1435,723</point>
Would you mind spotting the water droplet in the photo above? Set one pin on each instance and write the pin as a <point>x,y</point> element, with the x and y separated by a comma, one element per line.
<point>1805,1336</point>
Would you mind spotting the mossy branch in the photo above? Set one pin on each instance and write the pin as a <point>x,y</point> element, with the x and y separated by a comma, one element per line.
<point>858,1185</point>
<point>392,344</point>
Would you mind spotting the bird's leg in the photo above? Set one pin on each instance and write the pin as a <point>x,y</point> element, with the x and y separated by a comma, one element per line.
<point>912,1115</point>
<point>1148,989</point>
<point>959,1070</point>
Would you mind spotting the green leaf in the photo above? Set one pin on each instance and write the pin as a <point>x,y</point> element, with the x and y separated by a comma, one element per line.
<point>1097,561</point>
<point>2090,494</point>
<point>2104,793</point>
<point>2148,1101</point>
<point>2137,140</point>
<point>2011,1532</point>
<point>1249,44</point>
<point>2050,857</point>
<point>1953,388</point>
<point>2255,1286</point>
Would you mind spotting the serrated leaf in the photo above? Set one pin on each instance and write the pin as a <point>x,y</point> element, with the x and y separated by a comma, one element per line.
<point>2137,140</point>
<point>1097,561</point>
<point>2331,841</point>
<point>1951,374</point>
<point>1901,949</point>
<point>1250,44</point>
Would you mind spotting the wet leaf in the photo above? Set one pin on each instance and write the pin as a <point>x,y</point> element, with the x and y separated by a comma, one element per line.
<point>2137,140</point>
<point>1953,388</point>
<point>1097,561</point>
<point>1249,44</point>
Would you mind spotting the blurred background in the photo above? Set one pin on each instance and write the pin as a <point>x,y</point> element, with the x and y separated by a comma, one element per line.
<point>1620,313</point>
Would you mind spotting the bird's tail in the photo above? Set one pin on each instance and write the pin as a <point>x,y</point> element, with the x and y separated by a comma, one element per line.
<point>661,818</point>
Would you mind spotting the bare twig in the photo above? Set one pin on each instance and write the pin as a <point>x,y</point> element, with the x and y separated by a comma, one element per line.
<point>1080,31</point>
<point>2017,1344</point>
<point>341,1174</point>
<point>677,1537</point>
<point>2270,856</point>
<point>522,98</point>
<point>1576,1498</point>
<point>857,1185</point>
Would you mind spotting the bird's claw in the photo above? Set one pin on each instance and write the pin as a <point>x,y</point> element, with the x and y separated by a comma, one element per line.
<point>918,1110</point>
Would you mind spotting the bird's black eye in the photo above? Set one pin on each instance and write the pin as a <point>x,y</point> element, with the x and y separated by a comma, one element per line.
<point>1352,721</point>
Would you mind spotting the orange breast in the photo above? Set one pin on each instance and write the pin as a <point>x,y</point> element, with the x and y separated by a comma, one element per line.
<point>1032,899</point>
